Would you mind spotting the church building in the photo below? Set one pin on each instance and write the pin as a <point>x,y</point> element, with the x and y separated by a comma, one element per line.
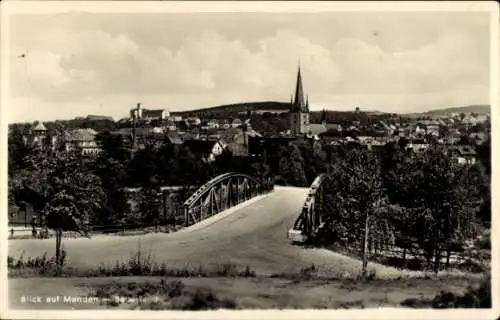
<point>299,118</point>
<point>299,111</point>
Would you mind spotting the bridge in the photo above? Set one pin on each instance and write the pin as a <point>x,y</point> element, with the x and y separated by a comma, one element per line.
<point>252,235</point>
<point>221,193</point>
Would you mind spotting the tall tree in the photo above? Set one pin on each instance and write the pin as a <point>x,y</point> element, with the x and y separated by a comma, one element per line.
<point>443,199</point>
<point>150,203</point>
<point>111,166</point>
<point>291,166</point>
<point>73,197</point>
<point>355,202</point>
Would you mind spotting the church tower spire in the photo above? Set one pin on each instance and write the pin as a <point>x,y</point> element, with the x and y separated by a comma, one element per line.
<point>299,102</point>
<point>299,111</point>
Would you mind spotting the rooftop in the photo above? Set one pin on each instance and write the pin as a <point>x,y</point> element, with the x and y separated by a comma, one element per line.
<point>39,127</point>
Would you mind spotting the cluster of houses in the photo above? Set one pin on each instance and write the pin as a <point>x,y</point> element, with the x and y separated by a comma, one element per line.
<point>242,140</point>
<point>210,137</point>
<point>79,139</point>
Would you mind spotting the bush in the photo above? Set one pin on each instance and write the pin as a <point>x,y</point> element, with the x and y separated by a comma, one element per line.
<point>138,264</point>
<point>167,295</point>
<point>206,300</point>
<point>479,297</point>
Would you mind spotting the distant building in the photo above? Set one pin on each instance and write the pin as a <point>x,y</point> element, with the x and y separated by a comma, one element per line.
<point>193,121</point>
<point>239,140</point>
<point>99,118</point>
<point>213,124</point>
<point>140,113</point>
<point>417,145</point>
<point>478,137</point>
<point>82,139</point>
<point>236,123</point>
<point>170,125</point>
<point>37,135</point>
<point>207,150</point>
<point>464,155</point>
<point>175,118</point>
<point>174,138</point>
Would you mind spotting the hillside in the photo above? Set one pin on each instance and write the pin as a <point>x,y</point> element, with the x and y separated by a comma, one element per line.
<point>234,109</point>
<point>465,109</point>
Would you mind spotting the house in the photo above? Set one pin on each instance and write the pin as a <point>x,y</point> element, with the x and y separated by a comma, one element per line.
<point>175,118</point>
<point>417,145</point>
<point>82,139</point>
<point>236,123</point>
<point>225,124</point>
<point>170,125</point>
<point>239,142</point>
<point>36,135</point>
<point>159,114</point>
<point>193,121</point>
<point>419,129</point>
<point>470,119</point>
<point>386,128</point>
<point>481,118</point>
<point>174,138</point>
<point>432,129</point>
<point>464,155</point>
<point>207,150</point>
<point>213,124</point>
<point>478,137</point>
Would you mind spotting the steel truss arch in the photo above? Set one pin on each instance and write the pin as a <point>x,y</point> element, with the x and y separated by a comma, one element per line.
<point>219,194</point>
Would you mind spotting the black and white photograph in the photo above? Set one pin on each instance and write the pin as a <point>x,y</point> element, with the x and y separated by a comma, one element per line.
<point>234,156</point>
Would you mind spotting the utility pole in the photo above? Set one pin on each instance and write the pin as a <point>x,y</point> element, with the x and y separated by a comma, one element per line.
<point>365,247</point>
<point>134,133</point>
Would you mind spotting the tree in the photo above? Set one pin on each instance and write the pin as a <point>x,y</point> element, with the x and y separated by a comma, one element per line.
<point>484,154</point>
<point>442,198</point>
<point>291,166</point>
<point>73,196</point>
<point>192,170</point>
<point>111,166</point>
<point>142,167</point>
<point>150,203</point>
<point>355,201</point>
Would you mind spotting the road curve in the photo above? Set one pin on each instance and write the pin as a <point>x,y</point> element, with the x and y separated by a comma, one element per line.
<point>253,235</point>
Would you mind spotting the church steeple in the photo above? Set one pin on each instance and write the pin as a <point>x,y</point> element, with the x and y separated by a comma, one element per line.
<point>299,104</point>
<point>299,111</point>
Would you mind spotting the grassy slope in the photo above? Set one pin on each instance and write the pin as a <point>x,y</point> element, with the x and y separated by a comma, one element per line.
<point>466,109</point>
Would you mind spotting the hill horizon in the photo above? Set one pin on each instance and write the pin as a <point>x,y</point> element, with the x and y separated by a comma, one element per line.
<point>240,107</point>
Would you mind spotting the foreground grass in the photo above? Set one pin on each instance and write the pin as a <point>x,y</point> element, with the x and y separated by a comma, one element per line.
<point>144,284</point>
<point>146,292</point>
<point>160,295</point>
<point>144,264</point>
<point>478,296</point>
<point>138,264</point>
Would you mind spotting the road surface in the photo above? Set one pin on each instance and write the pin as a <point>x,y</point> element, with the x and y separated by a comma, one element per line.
<point>253,234</point>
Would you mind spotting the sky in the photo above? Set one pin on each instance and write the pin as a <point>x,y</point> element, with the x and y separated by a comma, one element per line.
<point>75,64</point>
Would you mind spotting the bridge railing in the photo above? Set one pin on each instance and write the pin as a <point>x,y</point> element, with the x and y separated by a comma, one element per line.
<point>309,219</point>
<point>222,193</point>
